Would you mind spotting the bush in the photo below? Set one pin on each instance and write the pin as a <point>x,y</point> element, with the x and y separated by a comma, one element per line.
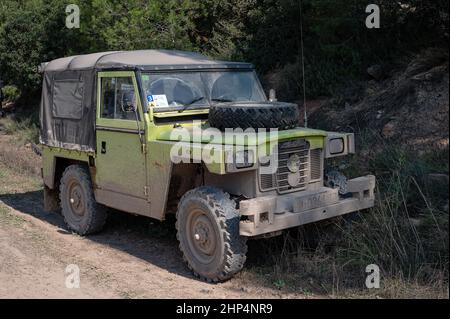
<point>11,93</point>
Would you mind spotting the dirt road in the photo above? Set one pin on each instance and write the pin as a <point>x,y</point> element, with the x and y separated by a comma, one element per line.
<point>131,258</point>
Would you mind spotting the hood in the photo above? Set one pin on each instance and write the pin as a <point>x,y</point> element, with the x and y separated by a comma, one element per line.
<point>201,134</point>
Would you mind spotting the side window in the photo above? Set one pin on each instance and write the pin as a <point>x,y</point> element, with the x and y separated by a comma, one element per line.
<point>67,99</point>
<point>118,99</point>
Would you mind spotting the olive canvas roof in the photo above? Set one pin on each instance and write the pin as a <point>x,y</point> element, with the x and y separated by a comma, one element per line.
<point>141,59</point>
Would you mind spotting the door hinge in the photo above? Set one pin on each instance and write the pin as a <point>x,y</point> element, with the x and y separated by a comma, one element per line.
<point>146,190</point>
<point>144,148</point>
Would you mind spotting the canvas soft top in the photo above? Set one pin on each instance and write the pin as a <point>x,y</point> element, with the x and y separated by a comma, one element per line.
<point>68,100</point>
<point>141,59</point>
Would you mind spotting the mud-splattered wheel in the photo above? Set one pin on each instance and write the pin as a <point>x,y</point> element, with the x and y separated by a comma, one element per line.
<point>81,212</point>
<point>208,232</point>
<point>201,236</point>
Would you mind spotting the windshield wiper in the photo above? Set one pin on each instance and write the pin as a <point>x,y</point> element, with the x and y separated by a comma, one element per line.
<point>185,106</point>
<point>221,100</point>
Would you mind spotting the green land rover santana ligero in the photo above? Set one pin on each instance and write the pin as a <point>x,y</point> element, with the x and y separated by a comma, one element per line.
<point>158,132</point>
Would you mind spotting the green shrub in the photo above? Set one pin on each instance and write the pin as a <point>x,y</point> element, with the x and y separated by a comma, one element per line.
<point>11,93</point>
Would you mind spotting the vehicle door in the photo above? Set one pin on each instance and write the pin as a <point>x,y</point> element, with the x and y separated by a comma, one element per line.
<point>120,130</point>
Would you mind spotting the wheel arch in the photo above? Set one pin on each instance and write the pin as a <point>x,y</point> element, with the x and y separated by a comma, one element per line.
<point>183,178</point>
<point>58,166</point>
<point>53,169</point>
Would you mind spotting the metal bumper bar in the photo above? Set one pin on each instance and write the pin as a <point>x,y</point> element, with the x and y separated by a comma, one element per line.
<point>274,213</point>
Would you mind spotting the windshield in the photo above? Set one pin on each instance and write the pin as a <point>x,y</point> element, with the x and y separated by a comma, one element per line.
<point>182,90</point>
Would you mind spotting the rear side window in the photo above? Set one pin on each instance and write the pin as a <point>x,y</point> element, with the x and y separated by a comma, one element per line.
<point>67,99</point>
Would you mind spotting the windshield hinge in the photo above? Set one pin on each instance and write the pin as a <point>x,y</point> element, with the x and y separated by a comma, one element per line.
<point>146,190</point>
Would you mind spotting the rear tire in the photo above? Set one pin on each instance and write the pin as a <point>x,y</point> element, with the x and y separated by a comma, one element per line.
<point>81,212</point>
<point>208,233</point>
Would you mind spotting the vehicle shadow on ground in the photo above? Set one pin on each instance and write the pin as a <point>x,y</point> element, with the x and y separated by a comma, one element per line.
<point>152,241</point>
<point>147,239</point>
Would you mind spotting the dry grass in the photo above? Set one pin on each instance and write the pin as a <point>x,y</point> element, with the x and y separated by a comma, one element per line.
<point>18,156</point>
<point>406,234</point>
<point>24,130</point>
<point>17,132</point>
<point>14,181</point>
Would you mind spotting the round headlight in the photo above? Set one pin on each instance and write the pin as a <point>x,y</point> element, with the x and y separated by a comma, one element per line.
<point>293,179</point>
<point>293,163</point>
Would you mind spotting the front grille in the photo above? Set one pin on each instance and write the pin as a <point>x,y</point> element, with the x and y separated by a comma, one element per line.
<point>286,150</point>
<point>279,180</point>
<point>267,181</point>
<point>316,164</point>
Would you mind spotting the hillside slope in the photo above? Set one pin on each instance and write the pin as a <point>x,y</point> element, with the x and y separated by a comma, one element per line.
<point>408,107</point>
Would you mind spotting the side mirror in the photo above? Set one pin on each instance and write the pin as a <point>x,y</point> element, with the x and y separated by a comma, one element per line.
<point>272,95</point>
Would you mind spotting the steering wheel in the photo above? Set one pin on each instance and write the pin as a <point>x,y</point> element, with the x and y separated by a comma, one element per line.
<point>173,98</point>
<point>127,102</point>
<point>240,87</point>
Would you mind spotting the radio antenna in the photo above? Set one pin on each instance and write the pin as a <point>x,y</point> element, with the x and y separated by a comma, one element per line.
<point>305,114</point>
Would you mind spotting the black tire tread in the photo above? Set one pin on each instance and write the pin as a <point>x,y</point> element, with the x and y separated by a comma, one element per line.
<point>277,115</point>
<point>235,245</point>
<point>96,213</point>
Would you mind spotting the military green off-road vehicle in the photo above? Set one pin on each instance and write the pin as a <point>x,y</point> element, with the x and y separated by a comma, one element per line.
<point>159,132</point>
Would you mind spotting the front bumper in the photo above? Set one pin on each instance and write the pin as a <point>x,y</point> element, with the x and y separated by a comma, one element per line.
<point>274,213</point>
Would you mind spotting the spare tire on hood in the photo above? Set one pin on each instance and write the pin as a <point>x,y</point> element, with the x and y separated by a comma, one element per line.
<point>254,115</point>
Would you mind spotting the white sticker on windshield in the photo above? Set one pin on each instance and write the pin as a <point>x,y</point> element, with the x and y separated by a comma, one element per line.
<point>157,100</point>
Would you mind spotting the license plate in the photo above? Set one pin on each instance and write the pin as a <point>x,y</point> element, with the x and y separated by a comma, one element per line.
<point>320,199</point>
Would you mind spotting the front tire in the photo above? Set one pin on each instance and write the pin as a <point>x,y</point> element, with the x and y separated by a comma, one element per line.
<point>208,233</point>
<point>81,212</point>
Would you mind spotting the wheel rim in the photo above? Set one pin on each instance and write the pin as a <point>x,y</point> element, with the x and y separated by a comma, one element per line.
<point>201,236</point>
<point>76,199</point>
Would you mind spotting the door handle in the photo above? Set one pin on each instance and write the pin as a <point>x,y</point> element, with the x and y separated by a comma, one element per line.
<point>103,150</point>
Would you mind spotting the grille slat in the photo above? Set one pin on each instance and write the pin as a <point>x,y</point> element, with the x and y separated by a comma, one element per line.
<point>280,153</point>
<point>286,171</point>
<point>284,157</point>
